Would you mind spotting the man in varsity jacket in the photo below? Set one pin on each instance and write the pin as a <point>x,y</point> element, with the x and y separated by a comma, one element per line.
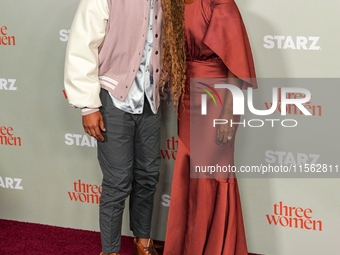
<point>112,73</point>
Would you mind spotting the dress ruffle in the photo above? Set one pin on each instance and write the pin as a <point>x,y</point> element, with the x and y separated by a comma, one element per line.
<point>226,36</point>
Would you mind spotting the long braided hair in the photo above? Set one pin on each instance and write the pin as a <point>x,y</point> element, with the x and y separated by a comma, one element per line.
<point>173,48</point>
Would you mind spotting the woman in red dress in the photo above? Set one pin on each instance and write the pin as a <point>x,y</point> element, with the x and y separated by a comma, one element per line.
<point>205,216</point>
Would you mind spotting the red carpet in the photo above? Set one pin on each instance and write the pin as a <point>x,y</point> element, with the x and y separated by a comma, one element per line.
<point>19,238</point>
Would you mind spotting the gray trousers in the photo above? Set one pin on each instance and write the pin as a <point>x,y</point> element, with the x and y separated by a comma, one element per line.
<point>129,159</point>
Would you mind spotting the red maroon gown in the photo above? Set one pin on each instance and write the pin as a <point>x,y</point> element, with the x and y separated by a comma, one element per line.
<point>205,216</point>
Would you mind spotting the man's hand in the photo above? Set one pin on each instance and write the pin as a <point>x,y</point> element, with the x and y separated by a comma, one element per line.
<point>94,125</point>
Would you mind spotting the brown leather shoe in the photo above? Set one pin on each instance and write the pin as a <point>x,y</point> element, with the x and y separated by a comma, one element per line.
<point>141,250</point>
<point>102,253</point>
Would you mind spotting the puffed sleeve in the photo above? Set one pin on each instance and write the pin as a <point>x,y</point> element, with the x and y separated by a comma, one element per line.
<point>227,37</point>
<point>81,61</point>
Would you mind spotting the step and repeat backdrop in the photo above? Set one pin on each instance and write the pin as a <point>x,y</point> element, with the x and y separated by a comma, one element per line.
<point>288,164</point>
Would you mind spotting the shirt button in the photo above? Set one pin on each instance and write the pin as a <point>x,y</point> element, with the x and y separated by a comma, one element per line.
<point>156,17</point>
<point>156,52</point>
<point>157,70</point>
<point>156,35</point>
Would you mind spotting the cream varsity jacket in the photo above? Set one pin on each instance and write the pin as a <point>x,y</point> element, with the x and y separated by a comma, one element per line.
<point>105,48</point>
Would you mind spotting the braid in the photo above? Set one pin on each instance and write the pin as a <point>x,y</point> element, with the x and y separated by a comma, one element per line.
<point>173,48</point>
